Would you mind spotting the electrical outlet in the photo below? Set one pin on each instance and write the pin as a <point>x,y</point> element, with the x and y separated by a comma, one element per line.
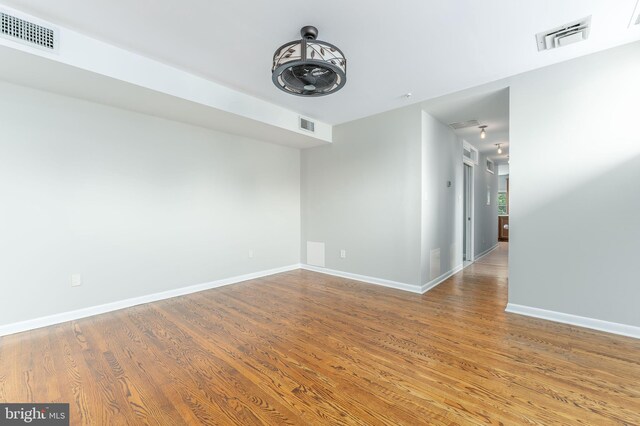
<point>76,280</point>
<point>251,254</point>
<point>343,254</point>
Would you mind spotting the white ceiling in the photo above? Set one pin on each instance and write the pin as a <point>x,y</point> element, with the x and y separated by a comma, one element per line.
<point>490,109</point>
<point>427,47</point>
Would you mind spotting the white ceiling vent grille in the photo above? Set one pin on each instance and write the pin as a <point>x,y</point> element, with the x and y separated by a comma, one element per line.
<point>27,32</point>
<point>464,124</point>
<point>307,125</point>
<point>564,35</point>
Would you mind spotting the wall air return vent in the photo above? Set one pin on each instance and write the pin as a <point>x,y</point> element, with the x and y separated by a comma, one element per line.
<point>564,35</point>
<point>28,32</point>
<point>464,124</point>
<point>307,125</point>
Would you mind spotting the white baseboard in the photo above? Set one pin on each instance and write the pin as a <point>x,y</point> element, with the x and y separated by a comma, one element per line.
<point>431,284</point>
<point>486,252</point>
<point>364,278</point>
<point>385,283</point>
<point>595,324</point>
<point>127,303</point>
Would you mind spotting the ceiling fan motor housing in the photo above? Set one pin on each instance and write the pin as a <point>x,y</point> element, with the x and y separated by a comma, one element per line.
<point>309,67</point>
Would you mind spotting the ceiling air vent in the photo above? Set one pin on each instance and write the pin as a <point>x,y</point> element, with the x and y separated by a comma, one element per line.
<point>28,32</point>
<point>307,125</point>
<point>464,124</point>
<point>564,35</point>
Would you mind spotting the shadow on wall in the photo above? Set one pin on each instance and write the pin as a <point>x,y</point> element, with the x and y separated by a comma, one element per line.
<point>586,241</point>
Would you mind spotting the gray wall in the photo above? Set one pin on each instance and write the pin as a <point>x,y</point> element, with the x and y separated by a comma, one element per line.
<point>575,187</point>
<point>362,194</point>
<point>486,216</point>
<point>441,204</point>
<point>139,205</point>
<point>380,192</point>
<point>135,204</point>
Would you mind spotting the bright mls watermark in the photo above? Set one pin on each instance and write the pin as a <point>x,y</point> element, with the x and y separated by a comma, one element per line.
<point>34,414</point>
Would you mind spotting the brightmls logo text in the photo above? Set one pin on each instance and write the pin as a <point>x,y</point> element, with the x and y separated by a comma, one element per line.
<point>34,414</point>
<point>28,416</point>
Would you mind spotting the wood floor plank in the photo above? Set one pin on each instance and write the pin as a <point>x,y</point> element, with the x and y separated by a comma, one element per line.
<point>306,348</point>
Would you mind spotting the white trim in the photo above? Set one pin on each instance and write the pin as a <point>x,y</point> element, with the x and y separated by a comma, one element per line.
<point>486,252</point>
<point>127,303</point>
<point>491,169</point>
<point>475,154</point>
<point>472,201</point>
<point>366,279</point>
<point>385,283</point>
<point>433,283</point>
<point>592,323</point>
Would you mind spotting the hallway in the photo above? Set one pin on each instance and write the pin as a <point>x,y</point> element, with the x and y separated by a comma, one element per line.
<point>307,348</point>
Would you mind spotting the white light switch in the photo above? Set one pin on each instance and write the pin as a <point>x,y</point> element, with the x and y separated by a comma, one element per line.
<point>250,254</point>
<point>76,280</point>
<point>343,254</point>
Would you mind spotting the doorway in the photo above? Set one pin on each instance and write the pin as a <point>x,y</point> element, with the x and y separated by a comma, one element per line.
<point>467,254</point>
<point>503,203</point>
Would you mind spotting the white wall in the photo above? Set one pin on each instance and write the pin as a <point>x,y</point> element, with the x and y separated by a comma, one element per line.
<point>442,215</point>
<point>575,187</point>
<point>362,194</point>
<point>485,215</point>
<point>134,203</point>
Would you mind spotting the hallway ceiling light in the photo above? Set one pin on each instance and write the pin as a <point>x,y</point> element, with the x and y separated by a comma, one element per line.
<point>309,67</point>
<point>499,148</point>
<point>483,133</point>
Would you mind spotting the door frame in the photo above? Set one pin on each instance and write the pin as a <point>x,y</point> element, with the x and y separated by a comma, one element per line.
<point>470,240</point>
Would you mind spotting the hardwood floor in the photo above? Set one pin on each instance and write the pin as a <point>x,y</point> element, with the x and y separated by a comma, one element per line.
<point>306,348</point>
